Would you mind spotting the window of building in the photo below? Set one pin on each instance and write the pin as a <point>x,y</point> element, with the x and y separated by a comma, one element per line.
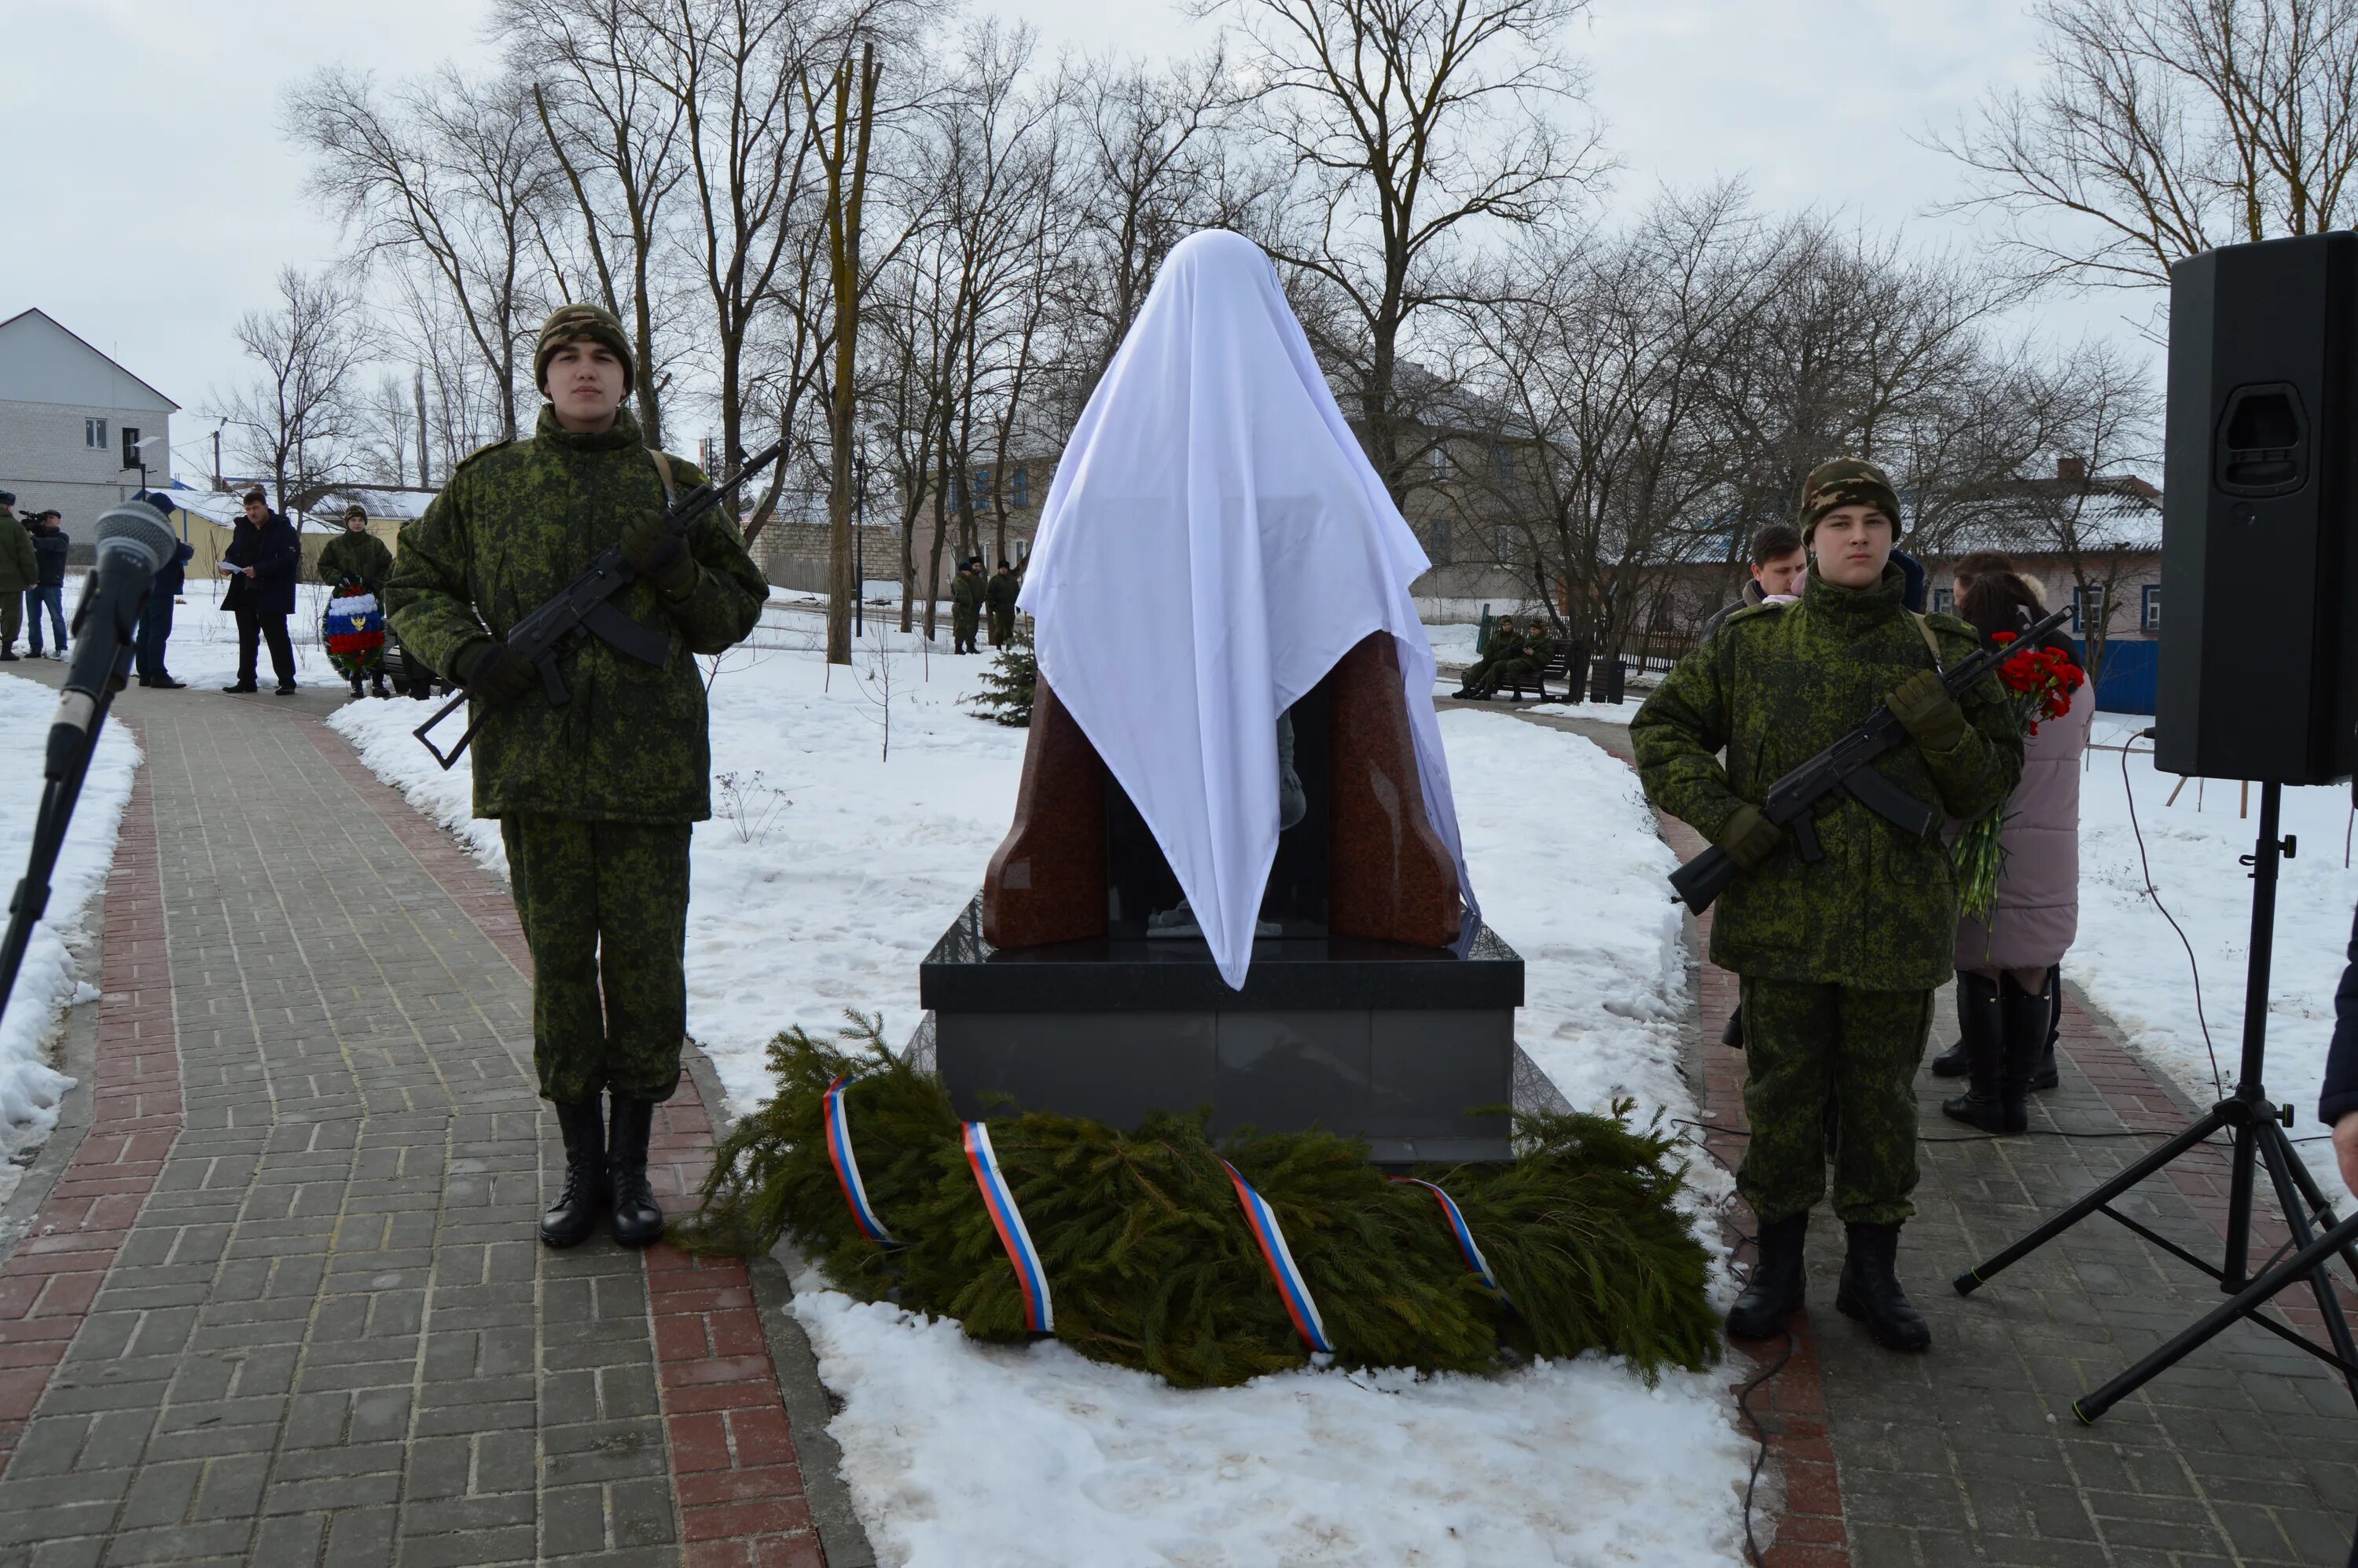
<point>1502,464</point>
<point>1018,483</point>
<point>2151,619</point>
<point>1944,602</point>
<point>2087,608</point>
<point>1440,461</point>
<point>131,446</point>
<point>94,435</point>
<point>982,487</point>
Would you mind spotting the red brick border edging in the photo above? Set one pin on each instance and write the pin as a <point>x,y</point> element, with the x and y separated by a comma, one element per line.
<point>50,1280</point>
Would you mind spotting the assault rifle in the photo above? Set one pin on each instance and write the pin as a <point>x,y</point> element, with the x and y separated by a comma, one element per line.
<point>1847,767</point>
<point>582,607</point>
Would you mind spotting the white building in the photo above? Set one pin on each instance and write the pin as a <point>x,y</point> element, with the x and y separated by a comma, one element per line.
<point>73,423</point>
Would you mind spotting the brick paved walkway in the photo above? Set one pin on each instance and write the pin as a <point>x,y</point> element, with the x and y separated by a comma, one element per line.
<point>2245,1453</point>
<point>285,1304</point>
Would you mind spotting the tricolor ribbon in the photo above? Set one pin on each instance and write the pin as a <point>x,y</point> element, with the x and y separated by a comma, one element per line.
<point>1039,1312</point>
<point>1460,1229</point>
<point>1291,1286</point>
<point>847,1166</point>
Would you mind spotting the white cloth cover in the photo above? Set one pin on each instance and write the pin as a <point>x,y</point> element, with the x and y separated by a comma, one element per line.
<point>1215,541</point>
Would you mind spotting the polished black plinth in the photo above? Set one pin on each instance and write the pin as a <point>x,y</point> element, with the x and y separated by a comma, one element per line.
<point>1393,1044</point>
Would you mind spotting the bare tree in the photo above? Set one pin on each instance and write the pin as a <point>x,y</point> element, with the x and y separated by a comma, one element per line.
<point>843,153</point>
<point>619,144</point>
<point>453,176</point>
<point>297,418</point>
<point>2168,127</point>
<point>1415,125</point>
<point>387,426</point>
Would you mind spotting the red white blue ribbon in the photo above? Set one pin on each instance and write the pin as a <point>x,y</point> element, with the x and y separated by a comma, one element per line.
<point>1039,1311</point>
<point>847,1167</point>
<point>1460,1229</point>
<point>1291,1286</point>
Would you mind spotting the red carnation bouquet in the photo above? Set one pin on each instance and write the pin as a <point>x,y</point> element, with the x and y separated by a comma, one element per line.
<point>2040,681</point>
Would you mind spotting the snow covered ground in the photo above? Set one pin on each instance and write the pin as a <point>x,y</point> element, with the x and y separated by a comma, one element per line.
<point>826,882</point>
<point>54,975</point>
<point>2132,965</point>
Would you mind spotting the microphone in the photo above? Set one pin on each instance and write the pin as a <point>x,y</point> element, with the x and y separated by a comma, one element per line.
<point>132,545</point>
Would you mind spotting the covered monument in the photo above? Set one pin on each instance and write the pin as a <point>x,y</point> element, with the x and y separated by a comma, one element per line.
<point>1234,878</point>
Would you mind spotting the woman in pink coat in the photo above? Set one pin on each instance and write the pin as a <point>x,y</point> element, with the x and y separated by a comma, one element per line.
<point>2005,966</point>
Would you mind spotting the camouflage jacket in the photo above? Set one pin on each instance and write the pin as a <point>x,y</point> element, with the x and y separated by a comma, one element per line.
<point>362,558</point>
<point>1775,685</point>
<point>517,523</point>
<point>965,593</point>
<point>17,568</point>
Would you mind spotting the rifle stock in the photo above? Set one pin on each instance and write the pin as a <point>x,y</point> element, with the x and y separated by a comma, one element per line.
<point>1795,796</point>
<point>582,607</point>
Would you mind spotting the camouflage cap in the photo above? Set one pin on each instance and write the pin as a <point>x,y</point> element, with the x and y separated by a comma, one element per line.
<point>1847,482</point>
<point>578,323</point>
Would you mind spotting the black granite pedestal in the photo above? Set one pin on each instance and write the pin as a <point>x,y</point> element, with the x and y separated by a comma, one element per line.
<point>1377,1040</point>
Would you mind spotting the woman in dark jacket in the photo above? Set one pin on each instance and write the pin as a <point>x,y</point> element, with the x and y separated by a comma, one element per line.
<point>2337,1107</point>
<point>262,559</point>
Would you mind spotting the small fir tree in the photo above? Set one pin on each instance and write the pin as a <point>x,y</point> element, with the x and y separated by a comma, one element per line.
<point>1009,683</point>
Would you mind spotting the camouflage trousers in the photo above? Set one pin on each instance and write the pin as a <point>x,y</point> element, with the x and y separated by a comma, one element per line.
<point>1803,1043</point>
<point>1003,628</point>
<point>963,626</point>
<point>604,906</point>
<point>12,615</point>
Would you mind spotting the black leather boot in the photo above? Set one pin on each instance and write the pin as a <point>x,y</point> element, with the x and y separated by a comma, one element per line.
<point>574,1214</point>
<point>1952,1063</point>
<point>1870,1289</point>
<point>2024,1017</point>
<point>1979,1018</point>
<point>637,1220</point>
<point>2044,1075</point>
<point>1778,1285</point>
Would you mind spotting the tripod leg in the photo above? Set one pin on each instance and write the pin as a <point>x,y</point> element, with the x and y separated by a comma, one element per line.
<point>2088,1407</point>
<point>2321,1206</point>
<point>2235,1268</point>
<point>1982,1274</point>
<point>2281,1164</point>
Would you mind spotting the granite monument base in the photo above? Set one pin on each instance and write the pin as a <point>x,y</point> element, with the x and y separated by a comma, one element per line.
<point>1394,1043</point>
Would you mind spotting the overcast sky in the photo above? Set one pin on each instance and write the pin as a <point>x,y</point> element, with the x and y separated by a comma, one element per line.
<point>146,198</point>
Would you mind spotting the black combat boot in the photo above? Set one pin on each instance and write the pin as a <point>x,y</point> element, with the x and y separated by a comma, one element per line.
<point>2025,1017</point>
<point>636,1220</point>
<point>1983,1105</point>
<point>574,1214</point>
<point>1870,1289</point>
<point>1778,1286</point>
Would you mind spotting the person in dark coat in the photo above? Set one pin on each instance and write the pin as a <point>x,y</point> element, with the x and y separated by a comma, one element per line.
<point>51,544</point>
<point>263,558</point>
<point>999,597</point>
<point>1779,564</point>
<point>2337,1106</point>
<point>155,620</point>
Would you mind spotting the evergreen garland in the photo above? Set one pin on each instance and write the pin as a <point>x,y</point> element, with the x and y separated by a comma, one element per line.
<point>1008,683</point>
<point>1148,1253</point>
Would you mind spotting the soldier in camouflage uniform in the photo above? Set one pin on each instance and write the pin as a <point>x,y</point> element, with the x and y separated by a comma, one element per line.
<point>1505,643</point>
<point>18,571</point>
<point>1838,959</point>
<point>358,555</point>
<point>999,597</point>
<point>595,799</point>
<point>1522,667</point>
<point>966,606</point>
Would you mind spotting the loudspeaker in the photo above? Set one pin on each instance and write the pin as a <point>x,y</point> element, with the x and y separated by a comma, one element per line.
<point>2258,679</point>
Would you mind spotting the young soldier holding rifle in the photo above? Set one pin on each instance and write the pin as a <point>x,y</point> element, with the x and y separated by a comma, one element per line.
<point>1838,953</point>
<point>595,789</point>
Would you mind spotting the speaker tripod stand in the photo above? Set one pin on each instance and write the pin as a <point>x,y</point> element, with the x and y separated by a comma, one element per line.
<point>2256,1126</point>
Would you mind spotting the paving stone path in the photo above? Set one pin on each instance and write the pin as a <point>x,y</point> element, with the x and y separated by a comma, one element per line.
<point>2245,1453</point>
<point>284,1304</point>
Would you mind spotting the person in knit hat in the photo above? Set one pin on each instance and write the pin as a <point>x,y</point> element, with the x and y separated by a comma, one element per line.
<point>596,798</point>
<point>1839,957</point>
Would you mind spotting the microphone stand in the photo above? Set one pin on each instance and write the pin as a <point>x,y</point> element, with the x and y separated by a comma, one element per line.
<point>73,743</point>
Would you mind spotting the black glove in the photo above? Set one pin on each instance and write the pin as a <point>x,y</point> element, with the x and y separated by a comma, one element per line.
<point>659,555</point>
<point>1749,838</point>
<point>498,676</point>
